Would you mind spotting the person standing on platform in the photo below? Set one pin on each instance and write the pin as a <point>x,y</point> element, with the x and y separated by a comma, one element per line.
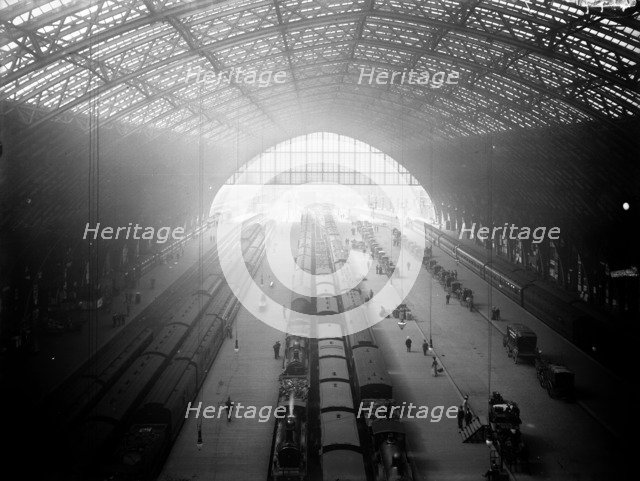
<point>229,405</point>
<point>425,347</point>
<point>276,350</point>
<point>408,344</point>
<point>448,297</point>
<point>434,368</point>
<point>468,417</point>
<point>460,417</point>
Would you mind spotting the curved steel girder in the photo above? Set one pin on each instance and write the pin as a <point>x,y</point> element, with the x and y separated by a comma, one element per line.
<point>315,22</point>
<point>486,93</point>
<point>584,108</point>
<point>170,91</point>
<point>112,32</point>
<point>420,118</point>
<point>411,106</point>
<point>162,65</point>
<point>471,65</point>
<point>414,106</point>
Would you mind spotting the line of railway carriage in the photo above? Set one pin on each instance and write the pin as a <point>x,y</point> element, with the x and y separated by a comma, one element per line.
<point>565,314</point>
<point>350,371</point>
<point>139,417</point>
<point>386,443</point>
<point>290,444</point>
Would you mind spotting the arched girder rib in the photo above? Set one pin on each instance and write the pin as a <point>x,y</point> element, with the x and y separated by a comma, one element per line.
<point>178,86</point>
<point>586,109</point>
<point>421,117</point>
<point>187,36</point>
<point>411,105</point>
<point>325,20</point>
<point>159,66</point>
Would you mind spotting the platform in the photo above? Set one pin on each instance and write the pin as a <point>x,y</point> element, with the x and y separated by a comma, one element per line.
<point>60,356</point>
<point>240,449</point>
<point>566,440</point>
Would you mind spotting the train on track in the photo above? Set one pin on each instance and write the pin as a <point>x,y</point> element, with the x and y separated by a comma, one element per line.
<point>126,406</point>
<point>566,314</point>
<point>347,370</point>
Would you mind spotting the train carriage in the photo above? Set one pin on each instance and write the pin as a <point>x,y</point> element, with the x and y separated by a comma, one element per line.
<point>448,245</point>
<point>345,465</point>
<point>362,338</point>
<point>341,452</point>
<point>335,395</point>
<point>329,330</point>
<point>372,379</point>
<point>331,348</point>
<point>476,265</point>
<point>333,368</point>
<point>506,285</point>
<point>339,430</point>
<point>301,300</point>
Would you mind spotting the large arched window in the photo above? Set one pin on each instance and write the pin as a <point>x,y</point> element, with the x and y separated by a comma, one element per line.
<point>316,162</point>
<point>323,157</point>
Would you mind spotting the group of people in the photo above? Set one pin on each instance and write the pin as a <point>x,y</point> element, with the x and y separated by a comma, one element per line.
<point>465,416</point>
<point>435,367</point>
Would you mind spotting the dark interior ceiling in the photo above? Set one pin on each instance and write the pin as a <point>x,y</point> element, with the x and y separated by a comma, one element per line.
<point>86,84</point>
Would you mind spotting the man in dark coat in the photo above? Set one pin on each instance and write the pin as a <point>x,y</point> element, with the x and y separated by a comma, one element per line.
<point>408,344</point>
<point>229,405</point>
<point>276,350</point>
<point>425,347</point>
<point>460,417</point>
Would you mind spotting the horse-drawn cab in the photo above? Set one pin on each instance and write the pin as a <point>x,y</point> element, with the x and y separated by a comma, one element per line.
<point>503,413</point>
<point>555,378</point>
<point>504,421</point>
<point>520,342</point>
